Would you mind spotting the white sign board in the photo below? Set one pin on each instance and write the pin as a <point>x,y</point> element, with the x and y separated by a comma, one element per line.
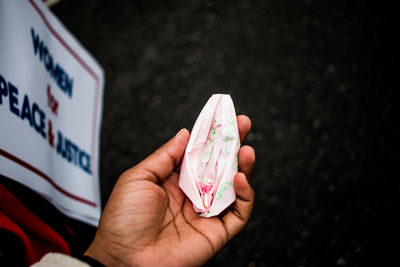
<point>51,93</point>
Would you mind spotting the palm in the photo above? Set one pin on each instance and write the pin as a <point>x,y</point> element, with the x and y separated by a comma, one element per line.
<point>193,235</point>
<point>162,224</point>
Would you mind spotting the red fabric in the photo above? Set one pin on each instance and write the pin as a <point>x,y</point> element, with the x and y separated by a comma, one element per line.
<point>8,225</point>
<point>37,237</point>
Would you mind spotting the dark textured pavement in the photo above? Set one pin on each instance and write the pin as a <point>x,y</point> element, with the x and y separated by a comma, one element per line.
<point>317,80</point>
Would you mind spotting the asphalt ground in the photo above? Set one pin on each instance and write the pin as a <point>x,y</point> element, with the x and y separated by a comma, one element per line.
<point>316,78</point>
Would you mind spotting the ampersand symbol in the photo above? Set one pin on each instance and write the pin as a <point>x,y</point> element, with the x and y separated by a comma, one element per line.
<point>50,134</point>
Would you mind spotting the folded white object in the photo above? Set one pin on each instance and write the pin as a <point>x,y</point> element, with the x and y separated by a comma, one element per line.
<point>211,157</point>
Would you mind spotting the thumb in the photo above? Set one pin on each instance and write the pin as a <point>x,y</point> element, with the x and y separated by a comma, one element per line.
<point>159,165</point>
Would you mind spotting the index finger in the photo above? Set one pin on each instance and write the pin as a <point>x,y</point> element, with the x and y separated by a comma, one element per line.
<point>244,126</point>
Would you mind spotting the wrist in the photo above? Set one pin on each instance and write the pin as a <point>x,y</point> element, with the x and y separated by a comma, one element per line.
<point>102,254</point>
<point>89,260</point>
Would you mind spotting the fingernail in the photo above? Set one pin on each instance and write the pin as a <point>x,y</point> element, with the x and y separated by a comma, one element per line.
<point>179,132</point>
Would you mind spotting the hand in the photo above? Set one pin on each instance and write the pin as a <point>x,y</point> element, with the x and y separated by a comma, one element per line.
<point>149,221</point>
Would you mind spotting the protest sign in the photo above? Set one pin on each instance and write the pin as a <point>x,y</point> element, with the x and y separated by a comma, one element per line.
<point>51,93</point>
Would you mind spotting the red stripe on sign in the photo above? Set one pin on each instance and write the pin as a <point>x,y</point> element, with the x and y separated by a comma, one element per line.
<point>44,176</point>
